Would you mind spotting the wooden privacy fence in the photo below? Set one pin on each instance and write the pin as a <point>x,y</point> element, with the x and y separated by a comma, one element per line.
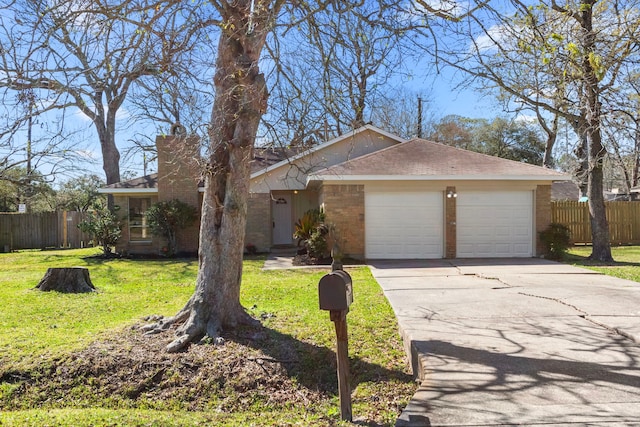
<point>41,230</point>
<point>623,217</point>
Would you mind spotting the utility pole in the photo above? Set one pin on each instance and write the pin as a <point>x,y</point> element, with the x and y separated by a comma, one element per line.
<point>419,117</point>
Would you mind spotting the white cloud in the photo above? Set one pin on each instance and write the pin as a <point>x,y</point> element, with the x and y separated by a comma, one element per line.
<point>488,41</point>
<point>526,118</point>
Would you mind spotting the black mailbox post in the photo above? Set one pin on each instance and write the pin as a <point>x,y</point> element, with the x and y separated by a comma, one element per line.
<point>335,293</point>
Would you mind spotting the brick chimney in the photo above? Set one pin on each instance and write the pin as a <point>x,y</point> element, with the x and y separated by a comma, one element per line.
<point>178,177</point>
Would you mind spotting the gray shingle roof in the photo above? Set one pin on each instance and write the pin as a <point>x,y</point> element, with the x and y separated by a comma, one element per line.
<point>420,157</point>
<point>147,181</point>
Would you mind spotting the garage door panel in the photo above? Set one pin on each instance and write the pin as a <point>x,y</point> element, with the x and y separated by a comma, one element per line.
<point>403,225</point>
<point>495,224</point>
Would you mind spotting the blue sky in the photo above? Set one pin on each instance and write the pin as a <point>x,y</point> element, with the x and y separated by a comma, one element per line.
<point>444,99</point>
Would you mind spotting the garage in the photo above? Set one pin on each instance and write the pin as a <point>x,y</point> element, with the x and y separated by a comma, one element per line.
<point>494,224</point>
<point>404,225</point>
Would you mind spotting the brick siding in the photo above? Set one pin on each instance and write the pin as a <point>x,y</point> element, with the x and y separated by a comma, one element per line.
<point>543,214</point>
<point>258,230</point>
<point>344,208</point>
<point>178,177</point>
<point>450,236</point>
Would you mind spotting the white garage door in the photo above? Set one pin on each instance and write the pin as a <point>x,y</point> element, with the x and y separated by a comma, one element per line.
<point>405,225</point>
<point>494,224</point>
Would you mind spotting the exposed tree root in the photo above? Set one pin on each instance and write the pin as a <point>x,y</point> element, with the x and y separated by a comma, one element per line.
<point>194,327</point>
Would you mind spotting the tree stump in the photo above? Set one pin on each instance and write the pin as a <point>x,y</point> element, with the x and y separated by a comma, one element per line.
<point>66,280</point>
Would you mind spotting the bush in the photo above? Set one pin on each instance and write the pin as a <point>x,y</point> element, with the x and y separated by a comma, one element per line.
<point>307,225</point>
<point>104,227</point>
<point>317,242</point>
<point>557,239</point>
<point>166,218</point>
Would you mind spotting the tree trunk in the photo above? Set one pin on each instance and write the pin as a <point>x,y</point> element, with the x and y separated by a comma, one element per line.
<point>601,246</point>
<point>581,172</point>
<point>238,107</point>
<point>66,280</point>
<point>552,136</point>
<point>110,153</point>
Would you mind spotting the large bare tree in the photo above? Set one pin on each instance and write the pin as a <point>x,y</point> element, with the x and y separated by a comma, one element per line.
<point>240,102</point>
<point>86,55</point>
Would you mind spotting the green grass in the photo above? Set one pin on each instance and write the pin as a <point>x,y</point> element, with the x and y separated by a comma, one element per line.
<point>626,265</point>
<point>34,324</point>
<point>41,331</point>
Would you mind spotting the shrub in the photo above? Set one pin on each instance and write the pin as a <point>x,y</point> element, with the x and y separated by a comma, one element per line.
<point>104,227</point>
<point>317,242</point>
<point>557,239</point>
<point>311,232</point>
<point>307,225</point>
<point>166,218</point>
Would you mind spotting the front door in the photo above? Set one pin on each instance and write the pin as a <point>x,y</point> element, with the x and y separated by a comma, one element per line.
<point>282,219</point>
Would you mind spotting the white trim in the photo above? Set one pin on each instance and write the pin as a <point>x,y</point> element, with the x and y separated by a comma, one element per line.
<point>327,144</point>
<point>128,190</point>
<point>437,178</point>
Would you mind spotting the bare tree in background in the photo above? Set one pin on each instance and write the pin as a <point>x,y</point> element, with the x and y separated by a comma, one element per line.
<point>87,55</point>
<point>622,131</point>
<point>404,113</point>
<point>183,94</point>
<point>34,151</point>
<point>332,70</point>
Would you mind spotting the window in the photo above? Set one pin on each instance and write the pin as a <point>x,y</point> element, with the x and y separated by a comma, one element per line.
<point>138,226</point>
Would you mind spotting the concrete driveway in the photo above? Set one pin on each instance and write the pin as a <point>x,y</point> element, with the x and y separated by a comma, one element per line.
<point>516,342</point>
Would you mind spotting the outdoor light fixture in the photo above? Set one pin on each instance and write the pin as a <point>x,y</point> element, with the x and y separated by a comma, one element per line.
<point>451,194</point>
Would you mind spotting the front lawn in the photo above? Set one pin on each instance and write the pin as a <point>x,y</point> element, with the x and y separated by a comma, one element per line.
<point>626,265</point>
<point>76,360</point>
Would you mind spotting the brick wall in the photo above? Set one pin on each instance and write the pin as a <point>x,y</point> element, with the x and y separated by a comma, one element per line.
<point>178,177</point>
<point>450,236</point>
<point>258,230</point>
<point>543,214</point>
<point>344,208</point>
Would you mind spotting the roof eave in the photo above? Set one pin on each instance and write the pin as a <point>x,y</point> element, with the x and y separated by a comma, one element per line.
<point>128,190</point>
<point>437,178</point>
<point>327,144</point>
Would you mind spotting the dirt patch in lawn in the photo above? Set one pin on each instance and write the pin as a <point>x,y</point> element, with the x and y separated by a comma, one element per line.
<point>254,369</point>
<point>134,367</point>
